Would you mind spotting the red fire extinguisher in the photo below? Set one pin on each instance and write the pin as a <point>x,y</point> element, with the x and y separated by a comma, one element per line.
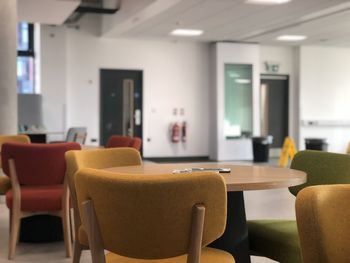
<point>183,134</point>
<point>175,133</point>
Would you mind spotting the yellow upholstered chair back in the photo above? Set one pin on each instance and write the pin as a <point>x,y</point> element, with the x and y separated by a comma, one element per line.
<point>323,218</point>
<point>98,159</point>
<point>149,216</point>
<point>13,138</point>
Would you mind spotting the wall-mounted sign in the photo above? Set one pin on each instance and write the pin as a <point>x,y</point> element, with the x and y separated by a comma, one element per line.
<point>271,67</point>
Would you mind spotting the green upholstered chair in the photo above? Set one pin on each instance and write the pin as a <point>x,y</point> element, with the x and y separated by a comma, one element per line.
<point>278,239</point>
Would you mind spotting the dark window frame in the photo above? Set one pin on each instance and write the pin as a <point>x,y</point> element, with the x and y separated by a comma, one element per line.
<point>30,51</point>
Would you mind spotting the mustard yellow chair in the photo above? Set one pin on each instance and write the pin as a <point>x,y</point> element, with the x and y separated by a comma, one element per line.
<point>278,239</point>
<point>99,159</point>
<point>153,218</point>
<point>5,182</point>
<point>323,218</point>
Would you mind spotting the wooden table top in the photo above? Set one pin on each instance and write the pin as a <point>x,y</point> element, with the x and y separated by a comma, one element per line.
<point>241,177</point>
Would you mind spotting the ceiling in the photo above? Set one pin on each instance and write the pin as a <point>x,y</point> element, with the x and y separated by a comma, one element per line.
<point>51,12</point>
<point>324,22</point>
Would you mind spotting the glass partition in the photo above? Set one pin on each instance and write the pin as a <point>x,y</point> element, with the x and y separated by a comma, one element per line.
<point>238,101</point>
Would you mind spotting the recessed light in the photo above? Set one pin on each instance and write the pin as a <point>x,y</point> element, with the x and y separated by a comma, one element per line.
<point>291,38</point>
<point>186,32</point>
<point>267,2</point>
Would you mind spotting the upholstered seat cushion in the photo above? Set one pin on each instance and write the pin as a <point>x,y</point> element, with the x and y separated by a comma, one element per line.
<point>5,184</point>
<point>276,239</point>
<point>83,237</point>
<point>209,255</point>
<point>38,198</point>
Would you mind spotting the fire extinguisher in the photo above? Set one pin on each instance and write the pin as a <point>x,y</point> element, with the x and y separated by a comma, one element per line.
<point>183,134</point>
<point>175,133</point>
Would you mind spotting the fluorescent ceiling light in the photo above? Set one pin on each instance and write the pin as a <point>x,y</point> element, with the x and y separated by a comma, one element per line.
<point>243,81</point>
<point>267,2</point>
<point>291,38</point>
<point>186,32</point>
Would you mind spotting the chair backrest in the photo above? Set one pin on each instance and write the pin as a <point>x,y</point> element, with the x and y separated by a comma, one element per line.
<point>76,134</point>
<point>321,168</point>
<point>149,216</point>
<point>98,159</point>
<point>13,138</point>
<point>37,164</point>
<point>136,143</point>
<point>80,137</point>
<point>323,218</point>
<point>119,141</point>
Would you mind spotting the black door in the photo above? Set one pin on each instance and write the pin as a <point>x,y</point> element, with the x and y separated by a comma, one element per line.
<point>120,103</point>
<point>274,107</point>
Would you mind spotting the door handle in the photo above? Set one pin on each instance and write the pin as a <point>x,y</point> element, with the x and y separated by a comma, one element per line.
<point>137,117</point>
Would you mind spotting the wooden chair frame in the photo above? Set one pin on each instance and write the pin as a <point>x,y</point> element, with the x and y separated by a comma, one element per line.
<point>96,244</point>
<point>16,214</point>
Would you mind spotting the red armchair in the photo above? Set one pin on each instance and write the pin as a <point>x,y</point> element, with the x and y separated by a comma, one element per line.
<point>37,173</point>
<point>136,143</point>
<point>124,141</point>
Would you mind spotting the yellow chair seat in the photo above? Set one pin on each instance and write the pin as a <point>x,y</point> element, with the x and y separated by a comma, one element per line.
<point>83,237</point>
<point>209,255</point>
<point>5,184</point>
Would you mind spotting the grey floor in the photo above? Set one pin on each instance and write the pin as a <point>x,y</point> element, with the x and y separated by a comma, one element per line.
<point>278,203</point>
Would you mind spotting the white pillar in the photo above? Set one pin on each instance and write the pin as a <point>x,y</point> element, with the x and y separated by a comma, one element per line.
<point>8,55</point>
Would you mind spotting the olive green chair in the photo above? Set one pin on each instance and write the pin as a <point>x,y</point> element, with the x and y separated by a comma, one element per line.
<point>5,182</point>
<point>323,217</point>
<point>278,239</point>
<point>154,218</point>
<point>97,159</point>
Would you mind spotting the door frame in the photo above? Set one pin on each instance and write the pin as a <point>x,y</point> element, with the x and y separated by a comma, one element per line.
<point>100,101</point>
<point>286,77</point>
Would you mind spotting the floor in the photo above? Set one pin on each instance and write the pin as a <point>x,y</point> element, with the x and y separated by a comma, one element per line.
<point>277,203</point>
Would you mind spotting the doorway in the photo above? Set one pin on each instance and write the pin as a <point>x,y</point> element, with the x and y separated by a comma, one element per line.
<point>120,103</point>
<point>274,98</point>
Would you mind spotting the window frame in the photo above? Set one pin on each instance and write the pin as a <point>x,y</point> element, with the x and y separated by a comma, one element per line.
<point>29,53</point>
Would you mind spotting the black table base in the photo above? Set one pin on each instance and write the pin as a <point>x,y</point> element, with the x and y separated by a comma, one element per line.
<point>41,229</point>
<point>235,238</point>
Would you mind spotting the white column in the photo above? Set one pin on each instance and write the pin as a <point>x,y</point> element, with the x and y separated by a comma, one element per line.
<point>8,54</point>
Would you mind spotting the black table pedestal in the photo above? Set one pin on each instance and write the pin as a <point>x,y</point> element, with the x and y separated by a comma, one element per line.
<point>41,229</point>
<point>235,238</point>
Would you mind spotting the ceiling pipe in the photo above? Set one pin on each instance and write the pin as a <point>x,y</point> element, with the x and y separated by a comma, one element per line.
<point>104,7</point>
<point>96,10</point>
<point>99,7</point>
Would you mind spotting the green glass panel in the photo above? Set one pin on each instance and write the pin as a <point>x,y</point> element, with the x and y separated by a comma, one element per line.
<point>238,100</point>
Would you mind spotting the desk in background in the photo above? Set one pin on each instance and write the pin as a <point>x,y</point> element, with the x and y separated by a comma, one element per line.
<point>41,137</point>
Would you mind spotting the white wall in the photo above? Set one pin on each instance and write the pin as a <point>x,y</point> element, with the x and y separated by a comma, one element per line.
<point>53,79</point>
<point>324,95</point>
<point>176,75</point>
<point>232,149</point>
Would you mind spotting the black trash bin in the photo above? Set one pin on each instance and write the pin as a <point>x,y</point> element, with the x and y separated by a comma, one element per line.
<point>261,146</point>
<point>318,144</point>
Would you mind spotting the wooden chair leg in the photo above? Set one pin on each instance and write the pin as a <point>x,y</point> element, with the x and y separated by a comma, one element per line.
<point>78,248</point>
<point>67,232</point>
<point>14,232</point>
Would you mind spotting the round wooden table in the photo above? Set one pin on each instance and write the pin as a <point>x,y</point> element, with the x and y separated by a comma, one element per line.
<point>241,178</point>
